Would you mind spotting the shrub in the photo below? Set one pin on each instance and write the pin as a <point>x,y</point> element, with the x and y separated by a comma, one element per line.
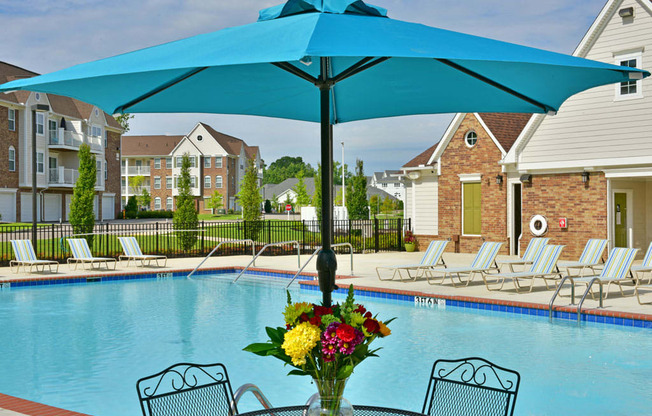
<point>155,214</point>
<point>131,209</point>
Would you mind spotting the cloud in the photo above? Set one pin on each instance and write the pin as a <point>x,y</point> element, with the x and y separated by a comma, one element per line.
<point>45,35</point>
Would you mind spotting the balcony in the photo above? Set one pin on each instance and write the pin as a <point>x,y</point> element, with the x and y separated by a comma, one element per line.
<point>66,178</point>
<point>136,171</point>
<point>135,190</point>
<point>70,140</point>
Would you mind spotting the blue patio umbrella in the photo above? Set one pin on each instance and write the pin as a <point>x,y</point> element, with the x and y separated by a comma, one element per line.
<point>330,61</point>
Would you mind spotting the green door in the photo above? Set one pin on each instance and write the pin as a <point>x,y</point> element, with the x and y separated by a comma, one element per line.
<point>620,219</point>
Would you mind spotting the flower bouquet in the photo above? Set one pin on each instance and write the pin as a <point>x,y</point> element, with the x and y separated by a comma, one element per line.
<point>326,343</point>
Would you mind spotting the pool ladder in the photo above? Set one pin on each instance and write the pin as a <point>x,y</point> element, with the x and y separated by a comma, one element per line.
<point>253,261</point>
<point>579,305</point>
<point>317,252</point>
<point>253,249</point>
<point>249,388</point>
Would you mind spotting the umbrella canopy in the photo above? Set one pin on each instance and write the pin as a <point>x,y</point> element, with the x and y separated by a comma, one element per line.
<point>330,61</point>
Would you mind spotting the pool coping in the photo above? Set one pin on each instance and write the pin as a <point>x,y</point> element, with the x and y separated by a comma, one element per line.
<point>420,299</point>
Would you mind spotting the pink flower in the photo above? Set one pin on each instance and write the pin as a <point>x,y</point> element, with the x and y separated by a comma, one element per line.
<point>331,331</point>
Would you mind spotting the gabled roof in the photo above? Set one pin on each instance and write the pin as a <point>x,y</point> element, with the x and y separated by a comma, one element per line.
<point>271,189</point>
<point>422,158</point>
<point>231,144</point>
<point>59,104</point>
<point>506,127</point>
<point>149,145</point>
<point>252,151</point>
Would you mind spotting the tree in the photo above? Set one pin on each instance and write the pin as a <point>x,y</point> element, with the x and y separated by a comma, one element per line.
<point>337,173</point>
<point>144,199</point>
<point>303,198</point>
<point>338,197</point>
<point>287,167</point>
<point>131,209</point>
<point>268,206</point>
<point>216,201</point>
<point>251,200</point>
<point>316,198</point>
<point>374,204</point>
<point>136,181</point>
<point>388,205</point>
<point>82,215</point>
<point>275,202</point>
<point>185,217</point>
<point>356,201</point>
<point>123,120</point>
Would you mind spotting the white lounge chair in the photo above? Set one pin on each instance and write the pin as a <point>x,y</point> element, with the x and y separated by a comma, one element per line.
<point>534,247</point>
<point>484,262</point>
<point>617,270</point>
<point>25,256</point>
<point>133,252</point>
<point>590,259</point>
<point>645,267</point>
<point>545,265</point>
<point>431,258</point>
<point>81,254</point>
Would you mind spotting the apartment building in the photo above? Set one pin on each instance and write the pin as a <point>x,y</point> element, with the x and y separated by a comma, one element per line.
<point>389,181</point>
<point>62,124</point>
<point>218,162</point>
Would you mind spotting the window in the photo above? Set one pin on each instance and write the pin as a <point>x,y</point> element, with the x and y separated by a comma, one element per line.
<point>471,138</point>
<point>40,124</point>
<point>218,162</point>
<point>40,164</point>
<point>384,184</point>
<point>106,170</point>
<point>207,161</point>
<point>207,182</point>
<point>200,138</point>
<point>397,184</point>
<point>98,172</point>
<point>12,159</point>
<point>106,138</point>
<point>471,214</point>
<point>168,203</point>
<point>168,182</point>
<point>193,181</point>
<point>168,163</point>
<point>96,131</point>
<point>12,119</point>
<point>52,132</point>
<point>218,181</point>
<point>157,203</point>
<point>179,161</point>
<point>632,88</point>
<point>157,182</point>
<point>157,163</point>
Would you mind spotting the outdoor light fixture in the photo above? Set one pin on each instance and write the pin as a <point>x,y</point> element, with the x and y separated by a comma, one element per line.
<point>527,178</point>
<point>626,12</point>
<point>585,177</point>
<point>414,175</point>
<point>499,179</point>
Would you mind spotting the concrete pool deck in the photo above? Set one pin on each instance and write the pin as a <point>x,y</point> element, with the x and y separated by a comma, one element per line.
<point>364,277</point>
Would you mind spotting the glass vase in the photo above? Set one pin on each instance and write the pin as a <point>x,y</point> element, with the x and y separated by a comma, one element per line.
<point>330,401</point>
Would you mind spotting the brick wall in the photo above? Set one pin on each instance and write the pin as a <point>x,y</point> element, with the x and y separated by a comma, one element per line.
<point>113,183</point>
<point>8,138</point>
<point>162,193</point>
<point>565,196</point>
<point>213,172</point>
<point>458,159</point>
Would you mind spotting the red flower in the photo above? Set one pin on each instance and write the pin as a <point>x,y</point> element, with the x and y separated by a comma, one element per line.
<point>322,310</point>
<point>346,333</point>
<point>367,315</point>
<point>361,310</point>
<point>371,325</point>
<point>304,317</point>
<point>315,320</point>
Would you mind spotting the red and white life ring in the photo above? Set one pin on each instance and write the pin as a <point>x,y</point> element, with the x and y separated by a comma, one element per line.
<point>538,225</point>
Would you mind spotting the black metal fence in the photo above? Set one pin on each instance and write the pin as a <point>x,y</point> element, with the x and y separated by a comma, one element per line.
<point>162,237</point>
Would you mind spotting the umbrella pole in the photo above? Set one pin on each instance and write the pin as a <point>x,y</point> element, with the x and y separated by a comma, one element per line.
<point>326,261</point>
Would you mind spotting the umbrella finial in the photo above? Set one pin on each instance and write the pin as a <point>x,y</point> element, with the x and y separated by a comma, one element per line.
<point>293,7</point>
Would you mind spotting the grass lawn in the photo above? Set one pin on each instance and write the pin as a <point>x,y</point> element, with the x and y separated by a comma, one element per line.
<point>211,217</point>
<point>11,226</point>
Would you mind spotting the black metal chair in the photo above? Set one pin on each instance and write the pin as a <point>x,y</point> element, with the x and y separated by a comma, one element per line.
<point>470,387</point>
<point>187,389</point>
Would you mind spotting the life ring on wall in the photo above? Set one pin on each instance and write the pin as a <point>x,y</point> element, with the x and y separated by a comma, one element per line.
<point>538,225</point>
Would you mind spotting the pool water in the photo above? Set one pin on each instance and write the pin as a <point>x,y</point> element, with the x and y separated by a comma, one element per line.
<point>83,347</point>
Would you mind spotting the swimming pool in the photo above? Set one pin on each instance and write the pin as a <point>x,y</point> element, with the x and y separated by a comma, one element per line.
<point>82,347</point>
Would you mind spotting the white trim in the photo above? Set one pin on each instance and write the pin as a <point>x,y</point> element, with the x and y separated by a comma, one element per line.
<point>470,177</point>
<point>638,57</point>
<point>596,28</point>
<point>630,216</point>
<point>466,138</point>
<point>462,208</point>
<point>628,173</point>
<point>8,190</point>
<point>581,164</point>
<point>108,194</point>
<point>446,138</point>
<point>523,138</point>
<point>491,135</point>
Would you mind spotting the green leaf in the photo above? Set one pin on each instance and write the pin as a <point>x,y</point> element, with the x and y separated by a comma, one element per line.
<point>345,371</point>
<point>259,348</point>
<point>276,335</point>
<point>298,373</point>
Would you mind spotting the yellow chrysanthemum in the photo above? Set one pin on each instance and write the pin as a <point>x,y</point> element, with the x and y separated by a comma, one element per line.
<point>294,311</point>
<point>384,331</point>
<point>299,341</point>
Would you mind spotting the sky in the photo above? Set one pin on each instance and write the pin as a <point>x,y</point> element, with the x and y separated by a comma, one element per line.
<point>44,36</point>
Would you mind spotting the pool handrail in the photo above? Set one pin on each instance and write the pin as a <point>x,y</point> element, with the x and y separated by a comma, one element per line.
<point>253,249</point>
<point>253,261</point>
<point>588,289</point>
<point>253,389</point>
<point>552,300</point>
<point>315,253</point>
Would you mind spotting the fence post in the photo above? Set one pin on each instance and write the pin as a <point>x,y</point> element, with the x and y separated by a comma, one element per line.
<point>303,235</point>
<point>376,236</point>
<point>106,239</point>
<point>157,252</point>
<point>52,254</point>
<point>399,227</point>
<point>203,236</point>
<point>244,229</point>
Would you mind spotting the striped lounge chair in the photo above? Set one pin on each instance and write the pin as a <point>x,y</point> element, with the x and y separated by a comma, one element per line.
<point>25,256</point>
<point>484,262</point>
<point>591,258</point>
<point>81,254</point>
<point>133,252</point>
<point>431,258</point>
<point>640,270</point>
<point>617,270</point>
<point>545,265</point>
<point>534,247</point>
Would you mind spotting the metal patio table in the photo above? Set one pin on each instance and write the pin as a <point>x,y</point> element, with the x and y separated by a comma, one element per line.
<point>358,410</point>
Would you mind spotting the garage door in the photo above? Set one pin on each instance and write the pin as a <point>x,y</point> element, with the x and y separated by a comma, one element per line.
<point>52,208</point>
<point>8,206</point>
<point>108,207</point>
<point>26,207</point>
